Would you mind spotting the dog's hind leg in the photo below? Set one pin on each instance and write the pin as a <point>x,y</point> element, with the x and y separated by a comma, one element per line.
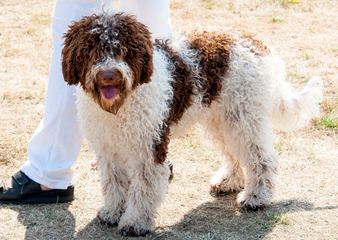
<point>114,181</point>
<point>228,178</point>
<point>149,183</point>
<point>253,144</point>
<point>246,140</point>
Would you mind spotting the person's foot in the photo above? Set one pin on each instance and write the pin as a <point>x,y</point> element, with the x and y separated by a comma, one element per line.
<point>21,189</point>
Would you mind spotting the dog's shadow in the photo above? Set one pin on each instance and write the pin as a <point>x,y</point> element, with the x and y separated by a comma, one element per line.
<point>218,219</point>
<point>52,221</point>
<point>221,219</point>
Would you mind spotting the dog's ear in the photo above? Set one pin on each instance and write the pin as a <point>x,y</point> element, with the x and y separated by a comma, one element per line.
<point>136,38</point>
<point>147,69</point>
<point>140,60</point>
<point>79,42</point>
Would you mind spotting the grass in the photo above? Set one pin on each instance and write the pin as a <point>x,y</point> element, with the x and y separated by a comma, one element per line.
<point>212,4</point>
<point>328,122</point>
<point>329,118</point>
<point>277,19</point>
<point>306,56</point>
<point>277,219</point>
<point>208,4</point>
<point>40,19</point>
<point>330,105</point>
<point>30,31</point>
<point>305,203</point>
<point>286,3</point>
<point>272,220</point>
<point>280,146</point>
<point>296,76</point>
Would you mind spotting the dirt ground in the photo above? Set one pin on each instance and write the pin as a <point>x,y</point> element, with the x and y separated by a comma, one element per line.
<point>306,202</point>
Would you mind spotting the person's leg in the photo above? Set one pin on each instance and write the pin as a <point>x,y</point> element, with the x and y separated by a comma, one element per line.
<point>153,13</point>
<point>56,142</point>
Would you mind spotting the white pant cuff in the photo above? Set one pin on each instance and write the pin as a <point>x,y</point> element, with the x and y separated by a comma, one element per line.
<point>43,181</point>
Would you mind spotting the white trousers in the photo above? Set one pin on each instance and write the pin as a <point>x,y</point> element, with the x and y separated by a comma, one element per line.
<point>56,142</point>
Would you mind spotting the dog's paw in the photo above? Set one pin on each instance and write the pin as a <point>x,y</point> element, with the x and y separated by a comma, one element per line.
<point>133,224</point>
<point>223,188</point>
<point>109,218</point>
<point>131,231</point>
<point>252,202</point>
<point>219,190</point>
<point>223,185</point>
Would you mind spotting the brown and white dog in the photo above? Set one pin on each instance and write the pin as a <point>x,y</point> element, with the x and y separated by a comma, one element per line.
<point>135,95</point>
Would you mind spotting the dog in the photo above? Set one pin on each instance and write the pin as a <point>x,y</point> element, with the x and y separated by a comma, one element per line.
<point>135,94</point>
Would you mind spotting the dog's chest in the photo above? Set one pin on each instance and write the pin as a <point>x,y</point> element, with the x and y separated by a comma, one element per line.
<point>102,130</point>
<point>138,122</point>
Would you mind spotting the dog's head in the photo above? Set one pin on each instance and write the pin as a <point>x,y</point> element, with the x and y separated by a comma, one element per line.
<point>109,55</point>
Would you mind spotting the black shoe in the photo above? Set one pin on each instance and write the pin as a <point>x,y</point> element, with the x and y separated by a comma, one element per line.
<point>25,191</point>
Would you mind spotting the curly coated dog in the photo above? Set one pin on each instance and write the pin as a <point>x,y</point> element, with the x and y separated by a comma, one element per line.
<point>135,94</point>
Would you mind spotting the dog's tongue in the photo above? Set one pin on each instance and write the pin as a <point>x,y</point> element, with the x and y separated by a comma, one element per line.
<point>109,92</point>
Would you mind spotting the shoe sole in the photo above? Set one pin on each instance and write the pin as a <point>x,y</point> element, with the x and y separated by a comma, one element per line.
<point>48,197</point>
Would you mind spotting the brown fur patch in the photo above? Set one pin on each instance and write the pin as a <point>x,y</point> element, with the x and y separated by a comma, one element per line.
<point>136,39</point>
<point>80,50</point>
<point>161,146</point>
<point>182,86</point>
<point>256,46</point>
<point>214,53</point>
<point>183,82</point>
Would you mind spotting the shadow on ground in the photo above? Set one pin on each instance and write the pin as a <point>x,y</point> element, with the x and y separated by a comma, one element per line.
<point>45,221</point>
<point>218,219</point>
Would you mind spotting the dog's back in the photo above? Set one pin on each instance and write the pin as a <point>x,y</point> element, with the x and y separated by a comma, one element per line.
<point>212,66</point>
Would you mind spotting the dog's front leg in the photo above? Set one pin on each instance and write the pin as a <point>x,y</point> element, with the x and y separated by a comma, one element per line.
<point>114,181</point>
<point>149,183</point>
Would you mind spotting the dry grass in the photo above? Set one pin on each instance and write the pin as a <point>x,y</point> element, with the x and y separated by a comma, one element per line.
<point>305,205</point>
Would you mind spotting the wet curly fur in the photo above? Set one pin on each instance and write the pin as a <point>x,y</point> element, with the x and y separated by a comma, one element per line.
<point>136,94</point>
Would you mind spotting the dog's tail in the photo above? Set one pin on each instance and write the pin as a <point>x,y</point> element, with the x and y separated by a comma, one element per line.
<point>293,109</point>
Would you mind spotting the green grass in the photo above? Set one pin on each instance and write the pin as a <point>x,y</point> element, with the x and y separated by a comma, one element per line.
<point>328,122</point>
<point>212,4</point>
<point>279,147</point>
<point>283,220</point>
<point>329,118</point>
<point>286,3</point>
<point>30,31</point>
<point>277,19</point>
<point>306,56</point>
<point>273,219</point>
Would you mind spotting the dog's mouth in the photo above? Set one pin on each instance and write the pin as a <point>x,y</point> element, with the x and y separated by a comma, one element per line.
<point>109,92</point>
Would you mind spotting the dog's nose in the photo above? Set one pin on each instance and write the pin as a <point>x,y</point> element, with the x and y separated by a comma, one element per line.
<point>108,76</point>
